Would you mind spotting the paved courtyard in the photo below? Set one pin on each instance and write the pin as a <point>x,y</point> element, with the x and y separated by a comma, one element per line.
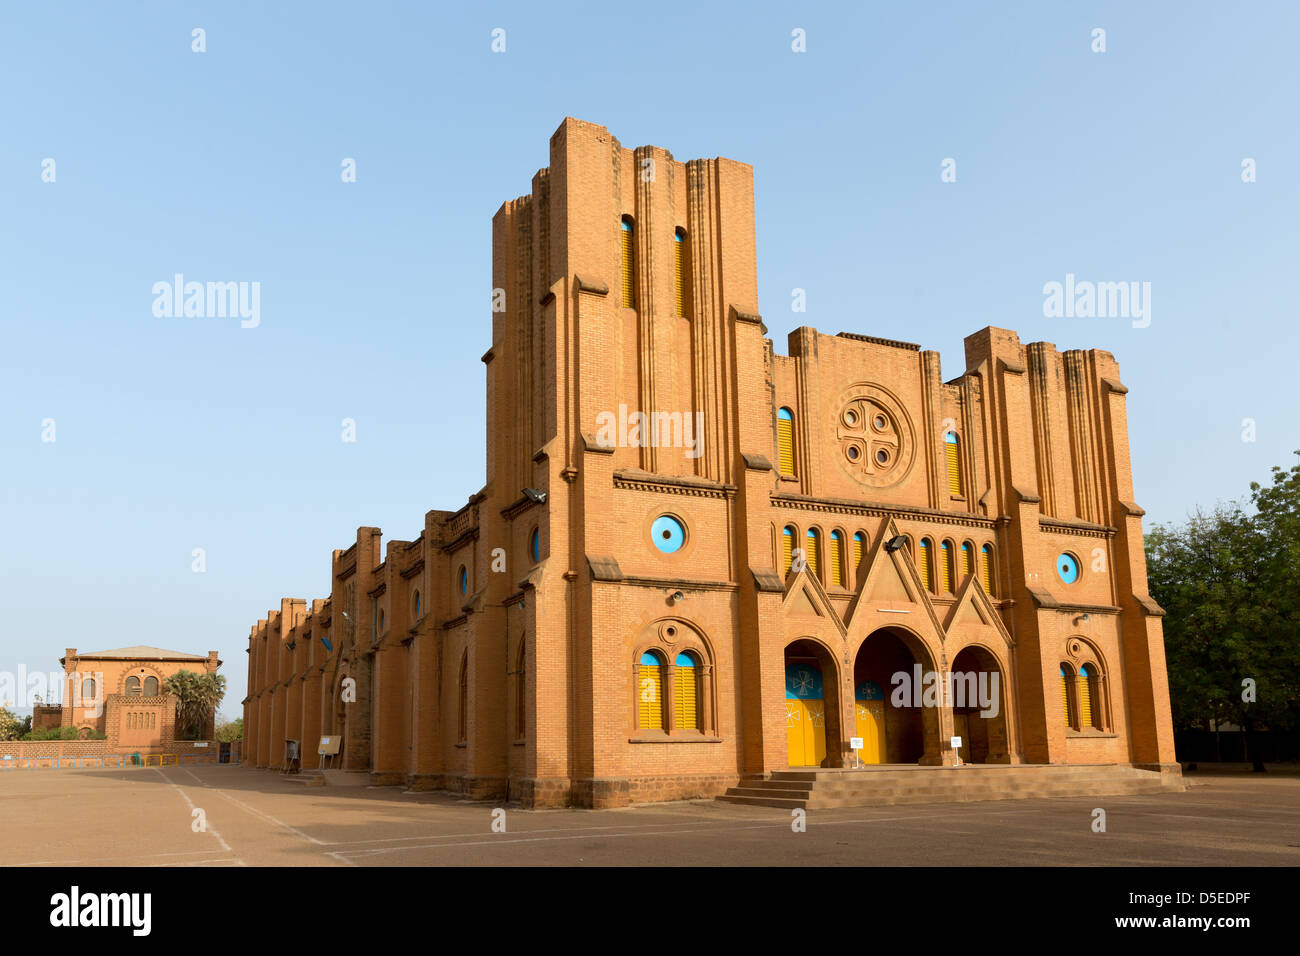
<point>146,817</point>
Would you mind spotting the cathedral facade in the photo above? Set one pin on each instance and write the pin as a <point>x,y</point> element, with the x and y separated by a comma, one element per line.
<point>696,559</point>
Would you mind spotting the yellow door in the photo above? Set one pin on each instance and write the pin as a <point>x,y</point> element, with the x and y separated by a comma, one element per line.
<point>814,732</point>
<point>794,730</point>
<point>871,728</point>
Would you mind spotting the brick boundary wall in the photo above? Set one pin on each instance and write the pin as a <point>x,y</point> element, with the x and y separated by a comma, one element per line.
<point>21,750</point>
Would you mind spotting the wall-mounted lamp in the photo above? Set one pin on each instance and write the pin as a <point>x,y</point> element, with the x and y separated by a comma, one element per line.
<point>1082,619</point>
<point>535,496</point>
<point>677,597</point>
<point>895,543</point>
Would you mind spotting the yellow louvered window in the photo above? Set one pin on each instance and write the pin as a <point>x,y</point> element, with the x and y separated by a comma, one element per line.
<point>650,693</point>
<point>787,549</point>
<point>988,570</point>
<point>1065,696</point>
<point>966,560</point>
<point>836,559</point>
<point>945,565</point>
<point>785,440</point>
<point>679,270</point>
<point>1085,697</point>
<point>859,546</point>
<point>954,463</point>
<point>686,691</point>
<point>629,296</point>
<point>925,565</point>
<point>813,541</point>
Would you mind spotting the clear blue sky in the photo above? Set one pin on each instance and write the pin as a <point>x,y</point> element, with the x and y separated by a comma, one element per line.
<point>175,434</point>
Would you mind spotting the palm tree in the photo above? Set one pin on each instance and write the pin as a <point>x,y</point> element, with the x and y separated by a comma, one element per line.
<point>197,697</point>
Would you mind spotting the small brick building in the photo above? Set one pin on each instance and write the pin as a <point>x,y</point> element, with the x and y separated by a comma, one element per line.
<point>120,693</point>
<point>696,558</point>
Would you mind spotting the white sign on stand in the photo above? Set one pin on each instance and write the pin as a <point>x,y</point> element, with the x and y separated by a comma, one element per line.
<point>855,743</point>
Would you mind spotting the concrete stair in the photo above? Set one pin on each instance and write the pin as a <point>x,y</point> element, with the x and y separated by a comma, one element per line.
<point>894,784</point>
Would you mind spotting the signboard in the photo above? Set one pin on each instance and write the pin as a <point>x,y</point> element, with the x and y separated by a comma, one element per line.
<point>291,750</point>
<point>855,743</point>
<point>956,743</point>
<point>329,746</point>
<point>201,743</point>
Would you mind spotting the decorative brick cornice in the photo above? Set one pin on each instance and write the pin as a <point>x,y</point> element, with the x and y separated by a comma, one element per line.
<point>1083,529</point>
<point>413,570</point>
<point>636,480</point>
<point>889,343</point>
<point>347,572</point>
<point>876,510</point>
<point>514,510</point>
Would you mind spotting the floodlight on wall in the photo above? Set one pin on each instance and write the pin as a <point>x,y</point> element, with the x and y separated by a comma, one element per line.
<point>895,543</point>
<point>1082,619</point>
<point>535,496</point>
<point>677,597</point>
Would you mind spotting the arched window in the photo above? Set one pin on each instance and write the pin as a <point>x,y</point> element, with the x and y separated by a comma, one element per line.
<point>1067,704</point>
<point>628,252</point>
<point>462,709</point>
<point>967,559</point>
<point>133,687</point>
<point>987,552</point>
<point>88,688</point>
<point>1088,696</point>
<point>151,687</point>
<point>462,580</point>
<point>945,566</point>
<point>415,603</point>
<point>535,545</point>
<point>787,548</point>
<point>650,692</point>
<point>924,565</point>
<point>859,551</point>
<point>681,272</point>
<point>785,440</point>
<point>521,689</point>
<point>836,558</point>
<point>686,693</point>
<point>953,445</point>
<point>814,541</point>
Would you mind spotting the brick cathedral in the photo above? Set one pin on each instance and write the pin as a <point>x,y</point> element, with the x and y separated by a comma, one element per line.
<point>697,560</point>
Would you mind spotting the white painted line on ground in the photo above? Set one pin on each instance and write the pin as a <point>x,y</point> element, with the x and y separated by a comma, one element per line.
<point>206,828</point>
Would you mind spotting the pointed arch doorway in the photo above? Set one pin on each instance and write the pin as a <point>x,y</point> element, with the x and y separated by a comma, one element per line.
<point>810,705</point>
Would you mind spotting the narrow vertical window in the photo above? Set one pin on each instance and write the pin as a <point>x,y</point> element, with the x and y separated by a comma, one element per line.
<point>521,687</point>
<point>681,273</point>
<point>837,559</point>
<point>787,548</point>
<point>627,251</point>
<point>462,709</point>
<point>1086,678</point>
<point>785,440</point>
<point>988,570</point>
<point>133,687</point>
<point>953,446</point>
<point>813,542</point>
<point>1065,695</point>
<point>686,694</point>
<point>945,565</point>
<point>925,565</point>
<point>416,604</point>
<point>649,691</point>
<point>535,545</point>
<point>151,687</point>
<point>859,549</point>
<point>967,559</point>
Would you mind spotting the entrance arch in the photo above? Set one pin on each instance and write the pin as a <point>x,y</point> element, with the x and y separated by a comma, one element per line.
<point>811,706</point>
<point>907,731</point>
<point>979,713</point>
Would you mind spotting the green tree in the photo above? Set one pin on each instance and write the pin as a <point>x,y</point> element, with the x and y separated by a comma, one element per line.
<point>197,697</point>
<point>1228,581</point>
<point>231,730</point>
<point>12,727</point>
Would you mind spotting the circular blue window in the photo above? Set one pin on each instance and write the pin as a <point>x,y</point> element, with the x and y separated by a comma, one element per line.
<point>1067,566</point>
<point>668,534</point>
